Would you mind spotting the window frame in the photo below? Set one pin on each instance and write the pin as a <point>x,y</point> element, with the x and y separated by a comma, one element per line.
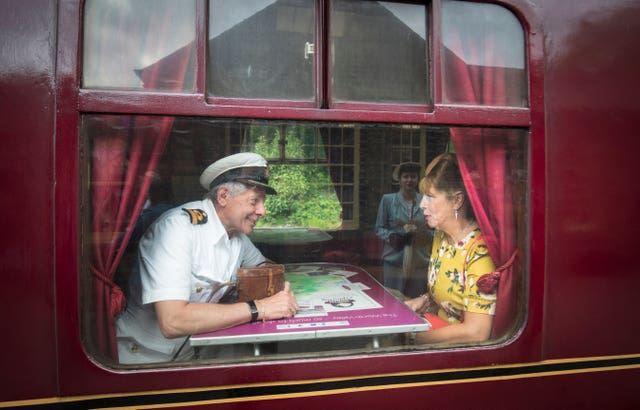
<point>199,103</point>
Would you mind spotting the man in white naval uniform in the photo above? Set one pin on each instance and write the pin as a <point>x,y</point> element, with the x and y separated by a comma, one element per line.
<point>188,255</point>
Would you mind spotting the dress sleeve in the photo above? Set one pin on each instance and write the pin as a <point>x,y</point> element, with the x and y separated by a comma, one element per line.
<point>479,262</point>
<point>381,227</point>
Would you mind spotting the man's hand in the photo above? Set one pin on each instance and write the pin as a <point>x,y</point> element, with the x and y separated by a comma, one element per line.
<point>281,305</point>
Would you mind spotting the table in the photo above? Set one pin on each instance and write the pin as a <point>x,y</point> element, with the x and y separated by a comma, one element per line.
<point>336,300</point>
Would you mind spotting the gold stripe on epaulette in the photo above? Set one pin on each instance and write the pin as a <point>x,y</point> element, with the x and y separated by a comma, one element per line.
<point>198,216</point>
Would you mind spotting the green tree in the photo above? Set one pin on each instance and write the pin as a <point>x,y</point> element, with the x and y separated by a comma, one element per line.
<point>306,197</point>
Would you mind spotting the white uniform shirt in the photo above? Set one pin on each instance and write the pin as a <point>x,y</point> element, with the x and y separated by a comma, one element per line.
<point>178,261</point>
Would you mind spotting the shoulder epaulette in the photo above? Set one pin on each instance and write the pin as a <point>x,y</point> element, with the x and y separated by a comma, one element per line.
<point>198,216</point>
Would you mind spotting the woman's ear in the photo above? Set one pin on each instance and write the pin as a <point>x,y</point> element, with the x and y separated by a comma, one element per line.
<point>458,199</point>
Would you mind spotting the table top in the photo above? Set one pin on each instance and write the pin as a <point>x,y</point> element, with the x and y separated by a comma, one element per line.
<point>336,300</point>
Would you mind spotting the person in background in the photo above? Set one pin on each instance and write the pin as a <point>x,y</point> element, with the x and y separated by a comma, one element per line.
<point>402,227</point>
<point>455,304</point>
<point>189,256</point>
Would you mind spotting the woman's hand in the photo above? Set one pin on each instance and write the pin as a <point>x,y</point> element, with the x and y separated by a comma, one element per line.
<point>419,304</point>
<point>475,328</point>
<point>281,305</point>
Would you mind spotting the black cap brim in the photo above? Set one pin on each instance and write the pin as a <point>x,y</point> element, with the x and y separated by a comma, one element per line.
<point>268,189</point>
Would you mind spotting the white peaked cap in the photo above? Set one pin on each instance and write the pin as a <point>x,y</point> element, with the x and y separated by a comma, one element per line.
<point>235,161</point>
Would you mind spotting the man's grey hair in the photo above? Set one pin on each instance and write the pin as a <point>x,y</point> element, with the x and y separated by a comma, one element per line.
<point>234,189</point>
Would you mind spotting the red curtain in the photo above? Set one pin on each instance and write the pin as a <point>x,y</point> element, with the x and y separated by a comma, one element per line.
<point>486,167</point>
<point>123,162</point>
<point>126,152</point>
<point>487,162</point>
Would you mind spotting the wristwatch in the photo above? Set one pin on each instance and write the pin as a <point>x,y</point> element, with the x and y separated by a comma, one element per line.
<point>253,309</point>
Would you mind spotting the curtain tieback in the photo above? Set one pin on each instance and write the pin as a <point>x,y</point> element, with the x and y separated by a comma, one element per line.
<point>117,300</point>
<point>488,283</point>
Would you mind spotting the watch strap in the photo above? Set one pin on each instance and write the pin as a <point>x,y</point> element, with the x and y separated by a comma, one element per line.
<point>253,309</point>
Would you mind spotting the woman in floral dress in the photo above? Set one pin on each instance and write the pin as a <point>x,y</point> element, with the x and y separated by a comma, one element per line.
<point>455,304</point>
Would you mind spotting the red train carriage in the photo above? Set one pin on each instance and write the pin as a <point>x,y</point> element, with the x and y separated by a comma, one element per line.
<point>104,100</point>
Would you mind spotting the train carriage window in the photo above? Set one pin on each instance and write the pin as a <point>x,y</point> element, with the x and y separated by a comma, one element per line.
<point>270,50</point>
<point>261,49</point>
<point>483,58</point>
<point>372,64</point>
<point>295,81</point>
<point>123,38</point>
<point>141,166</point>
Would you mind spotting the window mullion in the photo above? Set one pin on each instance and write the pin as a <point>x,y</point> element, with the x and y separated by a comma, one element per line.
<point>322,53</point>
<point>435,47</point>
<point>202,17</point>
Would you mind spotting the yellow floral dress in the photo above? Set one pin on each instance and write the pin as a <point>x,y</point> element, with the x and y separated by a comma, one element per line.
<point>453,273</point>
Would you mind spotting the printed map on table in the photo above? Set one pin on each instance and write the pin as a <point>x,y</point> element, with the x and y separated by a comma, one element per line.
<point>320,291</point>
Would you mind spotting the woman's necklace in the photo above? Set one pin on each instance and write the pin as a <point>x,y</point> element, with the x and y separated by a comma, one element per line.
<point>458,240</point>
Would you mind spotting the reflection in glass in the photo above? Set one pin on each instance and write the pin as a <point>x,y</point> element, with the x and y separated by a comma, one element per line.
<point>300,143</point>
<point>378,52</point>
<point>139,44</point>
<point>261,49</point>
<point>483,57</point>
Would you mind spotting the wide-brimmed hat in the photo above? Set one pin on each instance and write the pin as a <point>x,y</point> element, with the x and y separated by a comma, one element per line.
<point>406,167</point>
<point>246,167</point>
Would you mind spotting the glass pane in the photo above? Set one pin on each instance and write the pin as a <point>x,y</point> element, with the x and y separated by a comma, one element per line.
<point>263,139</point>
<point>139,45</point>
<point>378,52</point>
<point>300,143</point>
<point>326,211</point>
<point>483,57</point>
<point>261,49</point>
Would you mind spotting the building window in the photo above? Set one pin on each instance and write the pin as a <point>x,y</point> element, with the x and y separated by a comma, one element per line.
<point>312,168</point>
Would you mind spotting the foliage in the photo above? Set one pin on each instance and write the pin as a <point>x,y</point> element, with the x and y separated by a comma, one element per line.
<point>306,197</point>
